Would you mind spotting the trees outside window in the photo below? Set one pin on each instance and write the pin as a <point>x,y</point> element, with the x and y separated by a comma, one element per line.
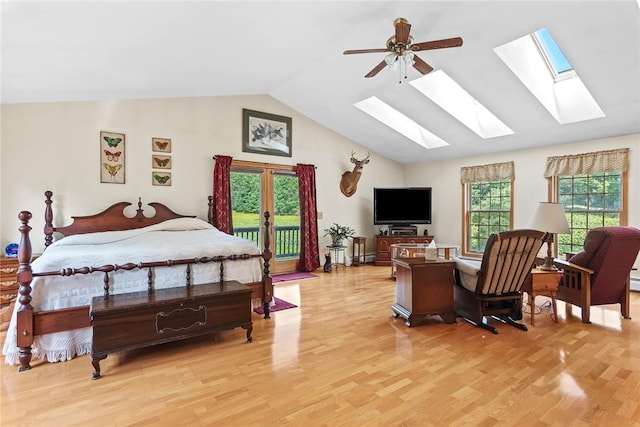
<point>489,206</point>
<point>589,200</point>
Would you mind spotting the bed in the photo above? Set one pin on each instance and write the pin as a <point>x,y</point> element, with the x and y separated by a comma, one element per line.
<point>110,253</point>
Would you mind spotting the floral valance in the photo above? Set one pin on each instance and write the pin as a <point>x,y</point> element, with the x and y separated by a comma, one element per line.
<point>487,173</point>
<point>580,164</point>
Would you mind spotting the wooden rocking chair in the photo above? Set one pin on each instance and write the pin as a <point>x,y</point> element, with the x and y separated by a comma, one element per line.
<point>494,288</point>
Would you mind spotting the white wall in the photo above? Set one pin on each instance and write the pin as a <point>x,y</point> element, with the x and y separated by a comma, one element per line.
<point>55,146</point>
<point>530,186</point>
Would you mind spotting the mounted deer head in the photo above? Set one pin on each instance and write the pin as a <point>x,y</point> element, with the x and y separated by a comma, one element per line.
<point>349,181</point>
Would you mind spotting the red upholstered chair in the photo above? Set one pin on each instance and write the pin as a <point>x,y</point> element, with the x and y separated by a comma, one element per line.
<point>600,273</point>
<point>493,289</point>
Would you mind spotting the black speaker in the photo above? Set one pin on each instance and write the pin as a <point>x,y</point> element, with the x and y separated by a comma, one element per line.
<point>425,232</point>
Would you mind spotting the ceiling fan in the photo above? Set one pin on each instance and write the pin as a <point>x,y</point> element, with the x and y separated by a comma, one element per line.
<point>401,46</point>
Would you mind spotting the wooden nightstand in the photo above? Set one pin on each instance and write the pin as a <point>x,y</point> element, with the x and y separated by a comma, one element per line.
<point>8,289</point>
<point>543,283</point>
<point>8,281</point>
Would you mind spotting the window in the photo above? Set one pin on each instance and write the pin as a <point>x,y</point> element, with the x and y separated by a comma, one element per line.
<point>591,200</point>
<point>488,203</point>
<point>592,188</point>
<point>489,212</point>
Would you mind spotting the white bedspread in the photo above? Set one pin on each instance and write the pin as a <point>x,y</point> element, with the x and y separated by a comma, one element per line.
<point>174,239</point>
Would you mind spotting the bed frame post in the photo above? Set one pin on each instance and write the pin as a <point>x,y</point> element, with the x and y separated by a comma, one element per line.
<point>210,210</point>
<point>24,276</point>
<point>267,283</point>
<point>48,220</point>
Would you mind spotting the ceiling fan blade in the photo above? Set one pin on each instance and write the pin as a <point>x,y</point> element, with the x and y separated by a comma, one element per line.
<point>402,32</point>
<point>437,44</point>
<point>376,69</point>
<point>421,66</point>
<point>350,52</point>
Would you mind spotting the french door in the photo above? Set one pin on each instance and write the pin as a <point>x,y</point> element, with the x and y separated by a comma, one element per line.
<point>256,188</point>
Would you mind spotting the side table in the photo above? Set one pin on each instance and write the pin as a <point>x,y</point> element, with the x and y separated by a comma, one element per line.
<point>543,283</point>
<point>424,287</point>
<point>336,252</point>
<point>361,243</point>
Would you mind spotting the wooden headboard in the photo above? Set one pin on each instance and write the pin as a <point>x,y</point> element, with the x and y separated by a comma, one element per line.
<point>110,219</point>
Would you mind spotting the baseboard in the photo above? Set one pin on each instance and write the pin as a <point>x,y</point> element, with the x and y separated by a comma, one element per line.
<point>635,285</point>
<point>368,259</point>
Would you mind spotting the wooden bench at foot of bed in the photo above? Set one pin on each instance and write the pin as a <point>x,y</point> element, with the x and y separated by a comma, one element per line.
<point>141,319</point>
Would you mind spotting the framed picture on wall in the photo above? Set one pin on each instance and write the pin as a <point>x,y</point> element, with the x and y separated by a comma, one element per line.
<point>265,133</point>
<point>161,178</point>
<point>161,162</point>
<point>161,145</point>
<point>112,157</point>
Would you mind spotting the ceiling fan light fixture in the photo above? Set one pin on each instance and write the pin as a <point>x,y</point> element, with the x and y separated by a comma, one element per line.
<point>400,48</point>
<point>390,59</point>
<point>408,57</point>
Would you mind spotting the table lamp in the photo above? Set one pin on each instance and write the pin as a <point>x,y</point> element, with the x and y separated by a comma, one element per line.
<point>549,217</point>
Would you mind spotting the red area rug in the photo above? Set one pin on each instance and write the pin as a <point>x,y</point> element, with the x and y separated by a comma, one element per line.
<point>279,306</point>
<point>286,277</point>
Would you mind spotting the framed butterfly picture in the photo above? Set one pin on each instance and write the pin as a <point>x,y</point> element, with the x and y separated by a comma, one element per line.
<point>161,178</point>
<point>112,156</point>
<point>161,145</point>
<point>161,162</point>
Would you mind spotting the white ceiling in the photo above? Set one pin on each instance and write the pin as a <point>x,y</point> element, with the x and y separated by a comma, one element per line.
<point>72,50</point>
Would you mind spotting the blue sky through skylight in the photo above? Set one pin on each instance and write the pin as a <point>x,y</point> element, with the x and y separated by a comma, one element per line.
<point>557,60</point>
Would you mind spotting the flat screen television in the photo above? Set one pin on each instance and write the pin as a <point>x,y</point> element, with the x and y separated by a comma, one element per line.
<point>402,206</point>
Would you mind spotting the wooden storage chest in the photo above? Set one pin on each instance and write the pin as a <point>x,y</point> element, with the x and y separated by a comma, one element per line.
<point>141,319</point>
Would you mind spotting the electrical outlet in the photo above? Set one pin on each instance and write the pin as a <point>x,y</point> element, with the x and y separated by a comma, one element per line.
<point>320,215</point>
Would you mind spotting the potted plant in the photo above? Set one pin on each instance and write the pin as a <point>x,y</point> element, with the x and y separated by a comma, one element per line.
<point>339,233</point>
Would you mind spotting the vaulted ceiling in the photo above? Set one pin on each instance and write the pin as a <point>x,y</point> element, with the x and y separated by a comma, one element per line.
<point>293,51</point>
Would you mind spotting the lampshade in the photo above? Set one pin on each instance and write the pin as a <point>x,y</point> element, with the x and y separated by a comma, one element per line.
<point>549,217</point>
<point>408,57</point>
<point>390,59</point>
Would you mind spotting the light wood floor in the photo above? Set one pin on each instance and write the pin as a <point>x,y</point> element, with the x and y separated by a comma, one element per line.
<point>341,359</point>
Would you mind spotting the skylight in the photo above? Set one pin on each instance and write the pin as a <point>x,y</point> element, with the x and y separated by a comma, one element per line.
<point>455,100</point>
<point>562,93</point>
<point>399,122</point>
<point>556,61</point>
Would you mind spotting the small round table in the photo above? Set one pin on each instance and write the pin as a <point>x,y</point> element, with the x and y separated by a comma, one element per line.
<point>335,252</point>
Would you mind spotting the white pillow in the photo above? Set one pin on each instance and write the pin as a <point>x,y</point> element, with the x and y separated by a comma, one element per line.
<point>182,224</point>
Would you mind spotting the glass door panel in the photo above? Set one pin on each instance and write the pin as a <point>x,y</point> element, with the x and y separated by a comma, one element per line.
<point>246,196</point>
<point>256,191</point>
<point>286,220</point>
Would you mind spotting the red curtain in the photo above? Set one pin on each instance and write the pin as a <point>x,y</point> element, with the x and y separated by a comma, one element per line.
<point>309,250</point>
<point>222,194</point>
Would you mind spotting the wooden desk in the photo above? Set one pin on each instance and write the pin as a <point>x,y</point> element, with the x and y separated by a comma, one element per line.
<point>424,288</point>
<point>543,283</point>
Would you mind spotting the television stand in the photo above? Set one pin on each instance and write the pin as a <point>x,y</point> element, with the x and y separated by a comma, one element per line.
<point>383,245</point>
<point>403,230</point>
